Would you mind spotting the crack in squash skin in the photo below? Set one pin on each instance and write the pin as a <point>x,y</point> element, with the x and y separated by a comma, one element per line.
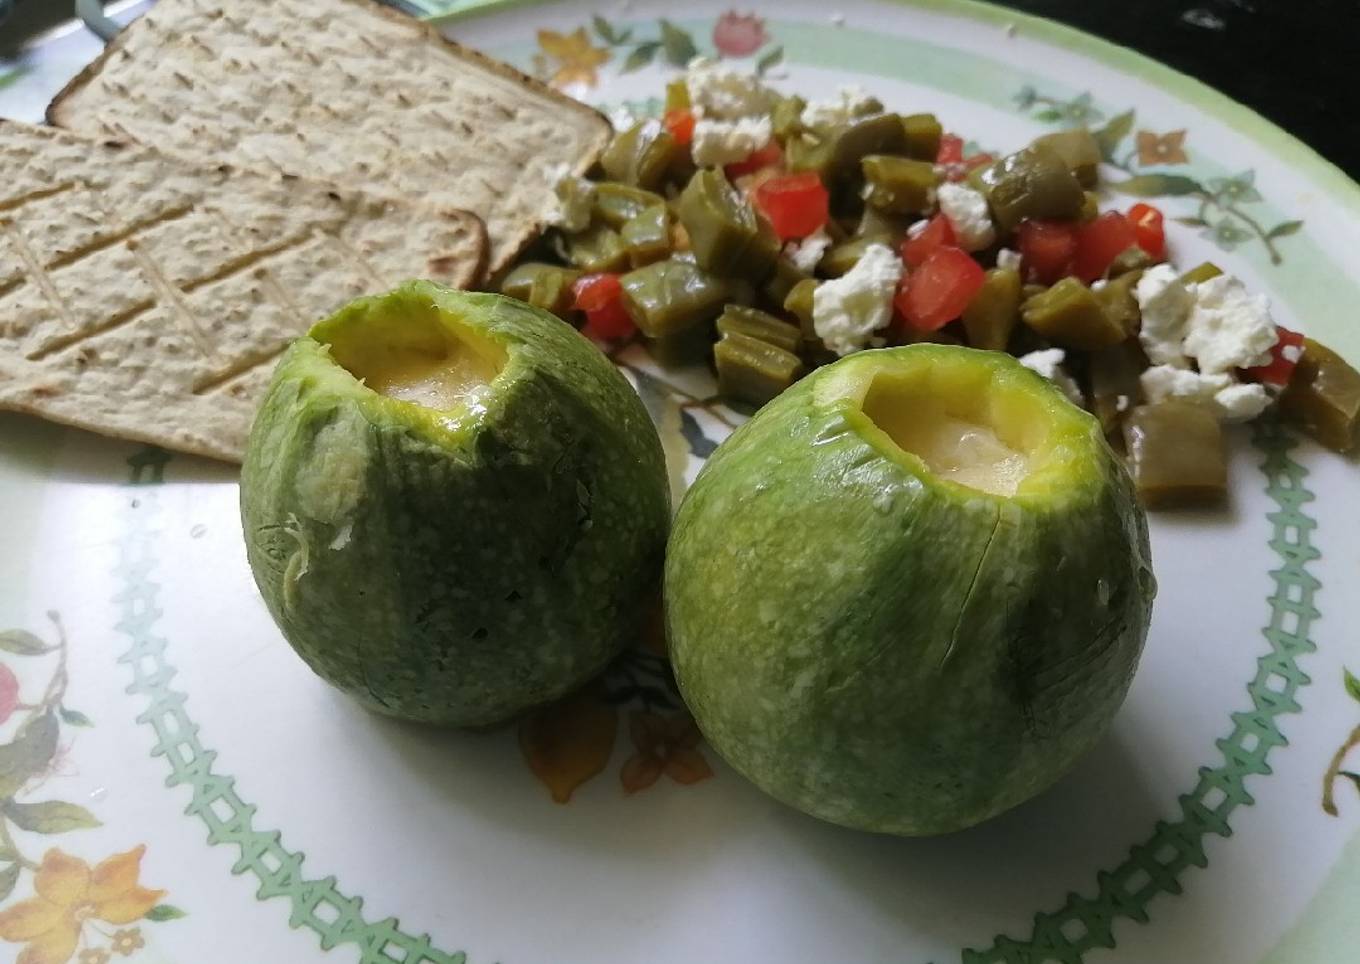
<point>463,567</point>
<point>816,583</point>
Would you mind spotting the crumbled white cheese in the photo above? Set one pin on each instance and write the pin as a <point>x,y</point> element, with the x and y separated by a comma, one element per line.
<point>1161,382</point>
<point>719,91</point>
<point>1228,328</point>
<point>1242,402</point>
<point>917,228</point>
<point>1227,398</point>
<point>967,212</point>
<point>1006,258</point>
<point>1099,284</point>
<point>1048,363</point>
<point>849,103</point>
<point>848,310</point>
<point>568,206</point>
<point>1165,303</point>
<point>621,118</point>
<point>807,253</point>
<point>718,142</point>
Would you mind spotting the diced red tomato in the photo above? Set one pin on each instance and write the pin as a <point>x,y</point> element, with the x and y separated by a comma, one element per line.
<point>1283,358</point>
<point>594,291</point>
<point>1099,242</point>
<point>765,157</point>
<point>600,296</point>
<point>936,293</point>
<point>796,204</point>
<point>680,122</point>
<point>951,149</point>
<point>937,233</point>
<point>1047,249</point>
<point>1148,229</point>
<point>950,157</point>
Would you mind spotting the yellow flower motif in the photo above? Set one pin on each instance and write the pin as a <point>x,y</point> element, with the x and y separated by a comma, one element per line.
<point>127,943</point>
<point>1168,148</point>
<point>94,955</point>
<point>576,58</point>
<point>666,745</point>
<point>69,894</point>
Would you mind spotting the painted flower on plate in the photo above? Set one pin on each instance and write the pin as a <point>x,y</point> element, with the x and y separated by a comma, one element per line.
<point>70,893</point>
<point>1081,110</point>
<point>127,942</point>
<point>575,59</point>
<point>1239,187</point>
<point>737,35</point>
<point>666,745</point>
<point>1226,234</point>
<point>1168,148</point>
<point>9,692</point>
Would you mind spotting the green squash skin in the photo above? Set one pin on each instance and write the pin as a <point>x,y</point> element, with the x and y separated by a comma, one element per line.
<point>457,576</point>
<point>852,637</point>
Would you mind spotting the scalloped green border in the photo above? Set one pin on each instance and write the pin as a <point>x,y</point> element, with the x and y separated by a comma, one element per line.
<point>1082,924</point>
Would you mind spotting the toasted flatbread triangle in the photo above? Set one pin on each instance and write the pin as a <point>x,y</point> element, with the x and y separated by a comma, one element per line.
<point>339,90</point>
<point>145,298</point>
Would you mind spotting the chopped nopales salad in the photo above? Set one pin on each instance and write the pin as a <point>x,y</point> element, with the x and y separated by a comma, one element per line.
<point>767,234</point>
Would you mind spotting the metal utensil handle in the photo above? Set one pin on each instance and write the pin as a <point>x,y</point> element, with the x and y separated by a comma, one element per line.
<point>91,12</point>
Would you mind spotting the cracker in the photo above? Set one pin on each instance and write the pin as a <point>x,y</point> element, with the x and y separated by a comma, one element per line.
<point>147,299</point>
<point>340,90</point>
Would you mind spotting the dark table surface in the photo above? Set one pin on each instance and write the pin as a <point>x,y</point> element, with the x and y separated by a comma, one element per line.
<point>1295,61</point>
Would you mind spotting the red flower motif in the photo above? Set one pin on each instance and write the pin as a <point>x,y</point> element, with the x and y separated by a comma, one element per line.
<point>9,692</point>
<point>736,35</point>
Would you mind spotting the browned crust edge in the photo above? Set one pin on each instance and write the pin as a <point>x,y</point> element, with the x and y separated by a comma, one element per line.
<point>87,73</point>
<point>476,271</point>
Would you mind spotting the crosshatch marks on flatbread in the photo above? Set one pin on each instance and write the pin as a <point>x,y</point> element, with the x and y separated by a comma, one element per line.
<point>146,299</point>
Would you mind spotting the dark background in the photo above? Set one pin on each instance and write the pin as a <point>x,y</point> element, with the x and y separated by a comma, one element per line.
<point>1295,61</point>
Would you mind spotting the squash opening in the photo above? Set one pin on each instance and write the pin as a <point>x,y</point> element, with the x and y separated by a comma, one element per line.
<point>964,423</point>
<point>415,353</point>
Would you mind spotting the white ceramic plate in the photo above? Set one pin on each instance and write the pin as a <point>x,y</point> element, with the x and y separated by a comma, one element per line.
<point>216,802</point>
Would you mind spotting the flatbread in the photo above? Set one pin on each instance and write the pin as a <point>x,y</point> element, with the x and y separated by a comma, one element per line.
<point>339,90</point>
<point>147,299</point>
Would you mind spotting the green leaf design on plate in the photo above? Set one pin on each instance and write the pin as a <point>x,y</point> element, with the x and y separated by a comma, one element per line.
<point>1049,115</point>
<point>1284,229</point>
<point>680,49</point>
<point>30,752</point>
<point>22,643</point>
<point>1352,685</point>
<point>1192,222</point>
<point>164,912</point>
<point>699,444</point>
<point>8,878</point>
<point>18,73</point>
<point>75,717</point>
<point>641,56</point>
<point>1109,136</point>
<point>604,30</point>
<point>770,60</point>
<point>50,816</point>
<point>1158,185</point>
